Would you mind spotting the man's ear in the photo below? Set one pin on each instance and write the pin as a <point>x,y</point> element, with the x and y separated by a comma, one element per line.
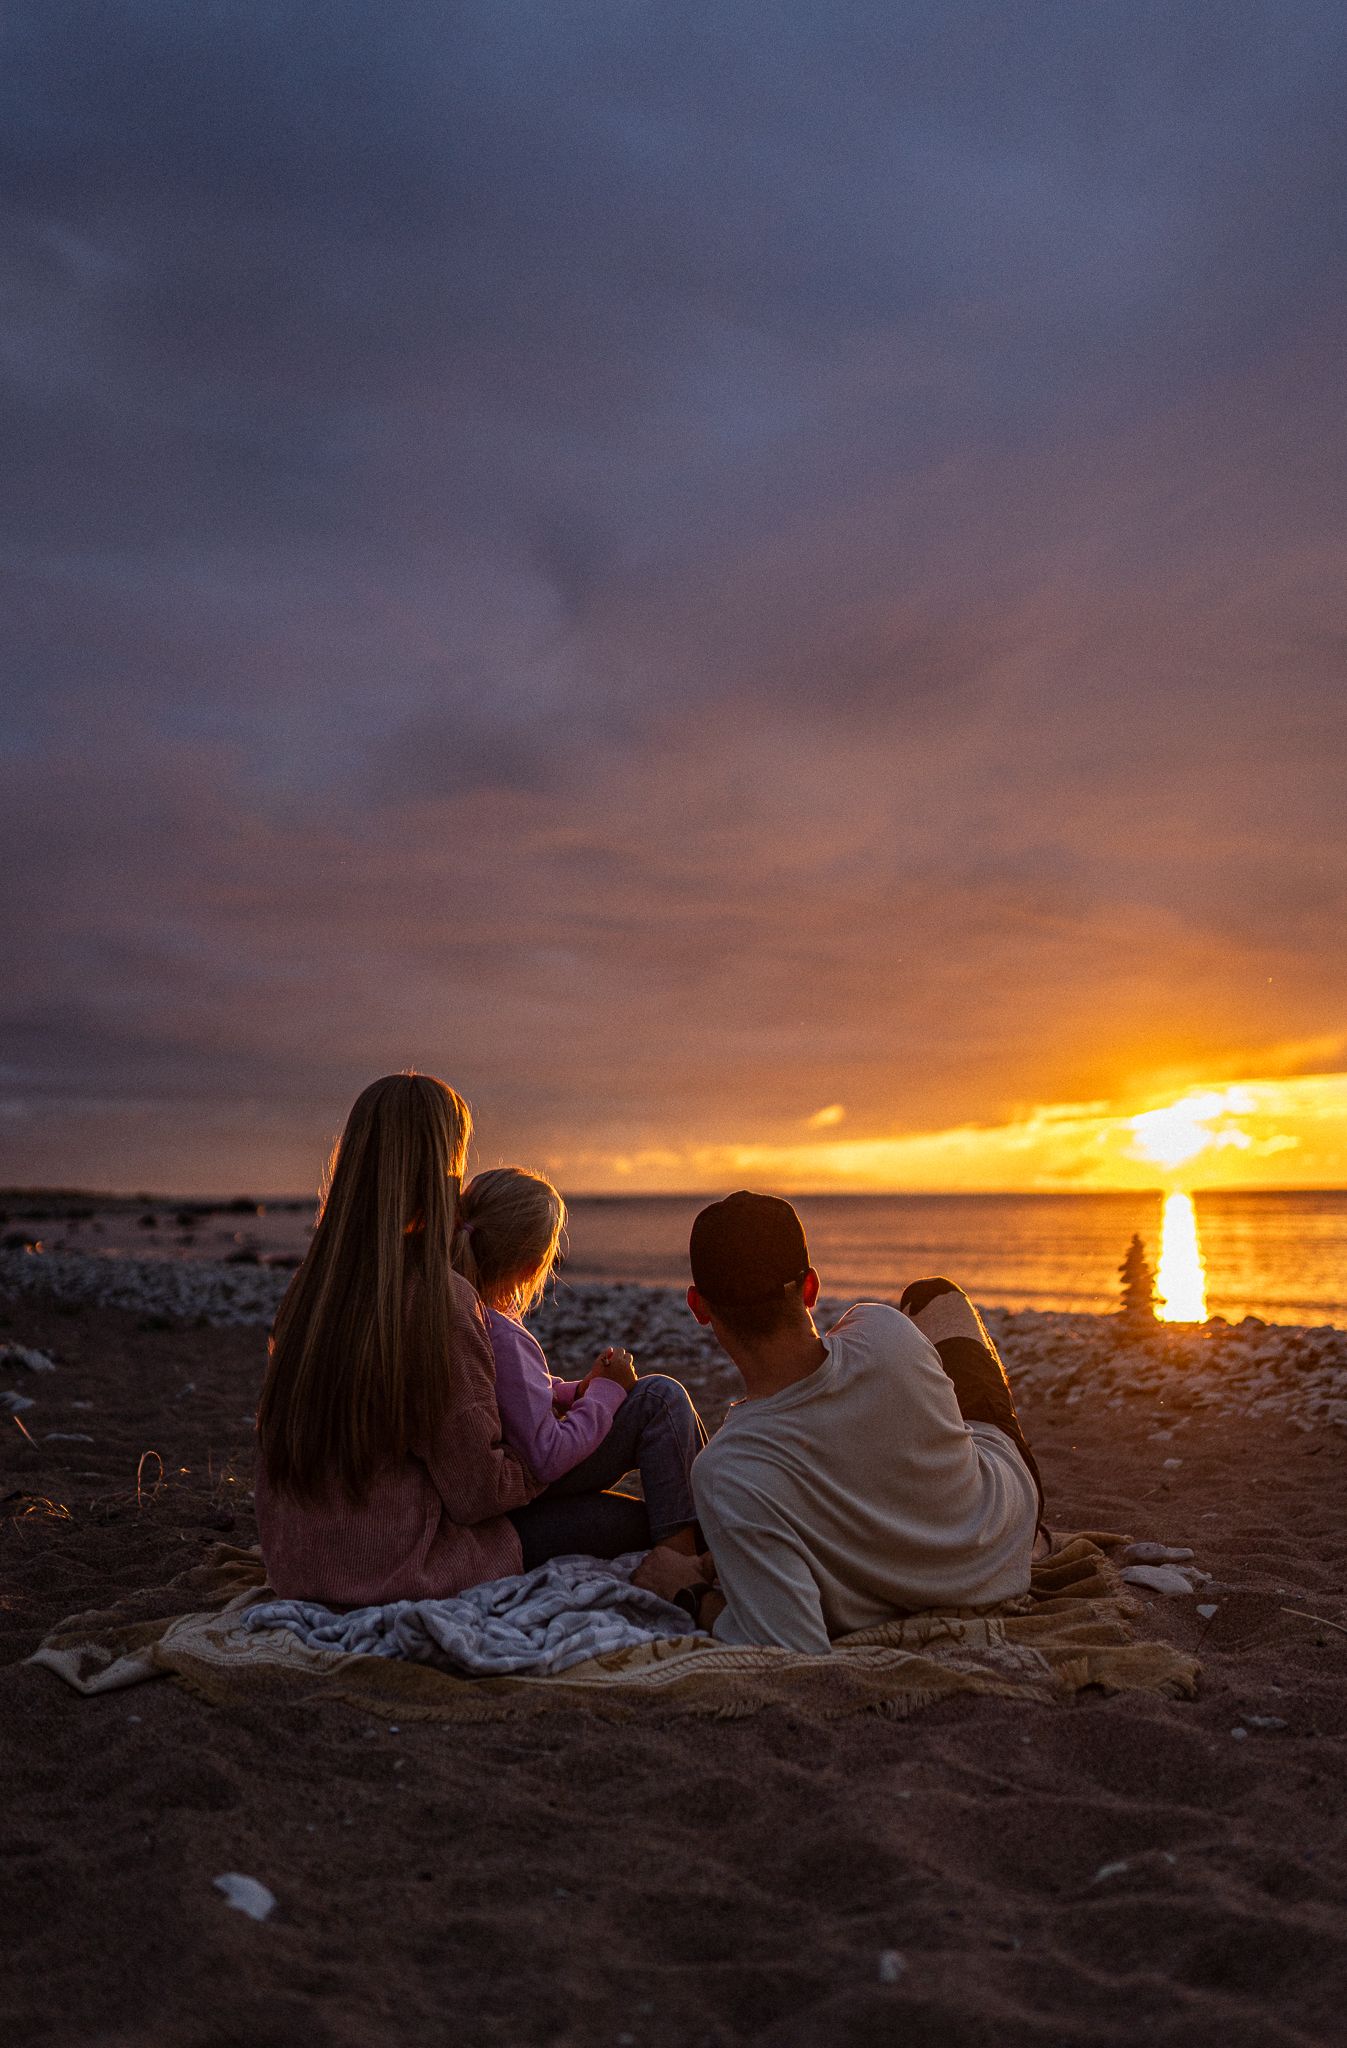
<point>809,1288</point>
<point>699,1308</point>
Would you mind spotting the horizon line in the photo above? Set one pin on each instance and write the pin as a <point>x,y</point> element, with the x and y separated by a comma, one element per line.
<point>290,1198</point>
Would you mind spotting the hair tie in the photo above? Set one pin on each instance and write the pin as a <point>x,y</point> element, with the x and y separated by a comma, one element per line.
<point>466,1229</point>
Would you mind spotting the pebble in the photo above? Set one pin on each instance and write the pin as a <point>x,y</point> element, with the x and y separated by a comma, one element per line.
<point>1186,1372</point>
<point>30,1361</point>
<point>1156,1553</point>
<point>1157,1578</point>
<point>1239,1734</point>
<point>1207,1609</point>
<point>246,1895</point>
<point>16,1403</point>
<point>192,1289</point>
<point>891,1966</point>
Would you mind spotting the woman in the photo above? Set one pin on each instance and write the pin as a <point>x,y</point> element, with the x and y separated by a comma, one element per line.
<point>381,1472</point>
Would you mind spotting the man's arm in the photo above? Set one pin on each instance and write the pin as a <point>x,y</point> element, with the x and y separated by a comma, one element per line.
<point>671,1573</point>
<point>771,1595</point>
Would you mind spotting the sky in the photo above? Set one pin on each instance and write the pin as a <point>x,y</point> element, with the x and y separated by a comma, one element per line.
<point>758,586</point>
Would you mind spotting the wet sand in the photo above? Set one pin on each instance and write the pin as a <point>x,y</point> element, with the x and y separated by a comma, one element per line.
<point>1125,1870</point>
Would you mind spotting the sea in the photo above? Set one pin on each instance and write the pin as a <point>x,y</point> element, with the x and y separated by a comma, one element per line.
<point>1281,1257</point>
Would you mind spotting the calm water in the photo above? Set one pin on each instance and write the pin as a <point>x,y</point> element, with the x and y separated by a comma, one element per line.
<point>1282,1257</point>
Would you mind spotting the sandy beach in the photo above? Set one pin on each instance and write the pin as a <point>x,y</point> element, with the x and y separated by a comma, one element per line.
<point>985,1872</point>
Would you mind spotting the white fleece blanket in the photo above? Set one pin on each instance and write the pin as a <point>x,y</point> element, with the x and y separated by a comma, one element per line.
<point>533,1625</point>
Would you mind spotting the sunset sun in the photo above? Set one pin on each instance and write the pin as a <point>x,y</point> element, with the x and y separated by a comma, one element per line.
<point>1173,1136</point>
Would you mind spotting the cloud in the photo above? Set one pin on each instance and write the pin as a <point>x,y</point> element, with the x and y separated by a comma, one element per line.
<point>673,565</point>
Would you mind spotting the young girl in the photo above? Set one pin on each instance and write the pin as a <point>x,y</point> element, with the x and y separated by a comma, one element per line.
<point>381,1471</point>
<point>578,1436</point>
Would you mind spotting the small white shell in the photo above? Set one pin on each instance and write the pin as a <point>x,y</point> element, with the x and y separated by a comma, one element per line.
<point>246,1894</point>
<point>1157,1578</point>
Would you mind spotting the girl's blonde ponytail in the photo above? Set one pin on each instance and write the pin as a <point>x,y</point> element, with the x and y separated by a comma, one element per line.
<point>508,1239</point>
<point>461,1255</point>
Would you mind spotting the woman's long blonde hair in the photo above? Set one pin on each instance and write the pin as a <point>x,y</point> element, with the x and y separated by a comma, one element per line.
<point>359,1352</point>
<point>508,1236</point>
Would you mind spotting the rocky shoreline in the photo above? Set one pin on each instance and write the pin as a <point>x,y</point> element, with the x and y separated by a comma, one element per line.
<point>1249,1369</point>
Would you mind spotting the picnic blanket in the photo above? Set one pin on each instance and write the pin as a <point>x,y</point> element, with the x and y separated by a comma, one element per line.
<point>1072,1630</point>
<point>535,1625</point>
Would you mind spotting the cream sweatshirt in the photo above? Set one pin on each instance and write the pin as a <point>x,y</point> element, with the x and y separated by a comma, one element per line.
<point>859,1492</point>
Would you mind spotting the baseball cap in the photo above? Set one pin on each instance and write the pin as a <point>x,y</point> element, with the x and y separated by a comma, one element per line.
<point>746,1248</point>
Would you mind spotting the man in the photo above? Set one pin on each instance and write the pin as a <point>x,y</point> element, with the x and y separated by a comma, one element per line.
<point>876,1470</point>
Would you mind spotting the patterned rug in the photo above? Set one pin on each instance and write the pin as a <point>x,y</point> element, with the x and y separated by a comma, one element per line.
<point>1071,1631</point>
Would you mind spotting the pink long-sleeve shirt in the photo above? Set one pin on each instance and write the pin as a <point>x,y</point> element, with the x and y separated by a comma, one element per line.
<point>528,1397</point>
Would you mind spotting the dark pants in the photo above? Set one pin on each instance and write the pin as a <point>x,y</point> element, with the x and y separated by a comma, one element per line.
<point>656,1431</point>
<point>976,1373</point>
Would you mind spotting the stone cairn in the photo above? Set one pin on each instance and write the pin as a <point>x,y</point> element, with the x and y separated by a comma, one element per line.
<point>1138,1287</point>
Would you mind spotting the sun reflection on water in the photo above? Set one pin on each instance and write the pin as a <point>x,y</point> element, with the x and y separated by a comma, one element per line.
<point>1182,1278</point>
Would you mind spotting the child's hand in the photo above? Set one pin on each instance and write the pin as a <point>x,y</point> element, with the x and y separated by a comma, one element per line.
<point>617,1365</point>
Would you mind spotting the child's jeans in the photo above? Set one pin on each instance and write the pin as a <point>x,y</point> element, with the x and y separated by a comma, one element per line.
<point>658,1431</point>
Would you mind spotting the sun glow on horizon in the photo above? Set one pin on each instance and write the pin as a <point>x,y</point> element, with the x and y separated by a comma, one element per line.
<point>1182,1279</point>
<point>1272,1132</point>
<point>1174,1135</point>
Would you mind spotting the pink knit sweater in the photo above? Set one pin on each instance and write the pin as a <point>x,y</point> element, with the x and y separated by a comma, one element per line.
<point>434,1524</point>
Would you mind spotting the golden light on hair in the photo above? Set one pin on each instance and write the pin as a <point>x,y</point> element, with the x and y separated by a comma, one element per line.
<point>508,1237</point>
<point>356,1372</point>
<point>1182,1279</point>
